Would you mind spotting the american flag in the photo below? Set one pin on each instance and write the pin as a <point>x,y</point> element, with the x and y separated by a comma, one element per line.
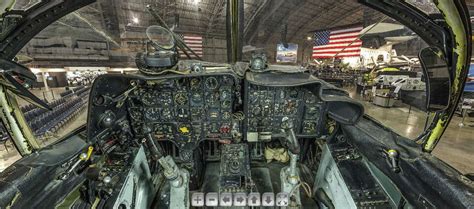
<point>195,43</point>
<point>337,43</point>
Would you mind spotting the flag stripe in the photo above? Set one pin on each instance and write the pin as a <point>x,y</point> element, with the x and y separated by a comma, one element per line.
<point>195,43</point>
<point>358,29</point>
<point>340,52</point>
<point>193,37</point>
<point>347,40</point>
<point>352,54</point>
<point>192,41</point>
<point>346,35</point>
<point>336,46</point>
<point>339,49</point>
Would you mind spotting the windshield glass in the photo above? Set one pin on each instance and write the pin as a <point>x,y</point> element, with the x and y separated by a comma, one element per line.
<point>427,6</point>
<point>370,55</point>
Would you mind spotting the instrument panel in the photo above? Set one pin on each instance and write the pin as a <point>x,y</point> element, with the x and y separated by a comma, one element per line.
<point>187,110</point>
<point>267,106</point>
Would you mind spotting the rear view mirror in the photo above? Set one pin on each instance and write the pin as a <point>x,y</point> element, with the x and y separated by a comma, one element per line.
<point>437,78</point>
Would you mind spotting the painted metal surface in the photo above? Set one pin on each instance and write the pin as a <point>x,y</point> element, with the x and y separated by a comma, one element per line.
<point>460,51</point>
<point>137,189</point>
<point>6,5</point>
<point>330,180</point>
<point>15,124</point>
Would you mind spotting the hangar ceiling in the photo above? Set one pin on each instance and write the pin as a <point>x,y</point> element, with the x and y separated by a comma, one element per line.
<point>121,22</point>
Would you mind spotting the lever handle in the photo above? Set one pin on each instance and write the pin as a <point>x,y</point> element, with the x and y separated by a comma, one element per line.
<point>393,156</point>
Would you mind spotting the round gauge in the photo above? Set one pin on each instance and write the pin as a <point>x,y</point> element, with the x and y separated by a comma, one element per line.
<point>196,112</point>
<point>196,97</point>
<point>195,83</point>
<point>225,94</point>
<point>213,114</point>
<point>258,63</point>
<point>226,115</point>
<point>184,129</point>
<point>211,83</point>
<point>152,114</point>
<point>166,113</point>
<point>256,110</point>
<point>180,83</point>
<point>181,98</point>
<point>165,98</point>
<point>227,80</point>
<point>182,113</point>
<point>294,93</point>
<point>212,98</point>
<point>226,104</point>
<point>290,107</point>
<point>310,98</point>
<point>161,37</point>
<point>149,99</point>
<point>135,114</point>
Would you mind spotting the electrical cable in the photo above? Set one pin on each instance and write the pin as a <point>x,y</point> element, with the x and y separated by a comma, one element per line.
<point>305,186</point>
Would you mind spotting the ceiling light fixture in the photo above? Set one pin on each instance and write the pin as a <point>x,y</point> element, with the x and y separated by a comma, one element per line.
<point>309,38</point>
<point>135,20</point>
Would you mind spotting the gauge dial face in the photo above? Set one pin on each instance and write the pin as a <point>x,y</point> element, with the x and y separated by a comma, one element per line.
<point>226,115</point>
<point>181,83</point>
<point>152,114</point>
<point>184,129</point>
<point>225,94</point>
<point>212,98</point>
<point>181,98</point>
<point>196,97</point>
<point>149,99</point>
<point>165,99</point>
<point>195,83</point>
<point>226,104</point>
<point>196,112</point>
<point>167,114</point>
<point>211,83</point>
<point>136,114</point>
<point>310,98</point>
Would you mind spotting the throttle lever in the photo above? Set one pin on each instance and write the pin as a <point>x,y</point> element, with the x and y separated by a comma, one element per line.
<point>393,157</point>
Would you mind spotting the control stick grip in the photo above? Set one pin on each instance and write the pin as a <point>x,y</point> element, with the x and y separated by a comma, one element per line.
<point>290,136</point>
<point>150,142</point>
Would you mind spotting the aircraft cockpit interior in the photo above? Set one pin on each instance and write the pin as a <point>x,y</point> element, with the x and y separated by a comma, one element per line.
<point>183,132</point>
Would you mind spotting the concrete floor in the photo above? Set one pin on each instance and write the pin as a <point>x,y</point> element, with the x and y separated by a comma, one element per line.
<point>456,146</point>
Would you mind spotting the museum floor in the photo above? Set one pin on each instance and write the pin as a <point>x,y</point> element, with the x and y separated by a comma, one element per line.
<point>456,146</point>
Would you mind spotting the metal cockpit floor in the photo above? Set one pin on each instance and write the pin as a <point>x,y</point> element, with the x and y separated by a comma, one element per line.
<point>266,177</point>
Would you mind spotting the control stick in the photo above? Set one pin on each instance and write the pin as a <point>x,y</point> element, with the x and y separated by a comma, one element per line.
<point>150,142</point>
<point>178,178</point>
<point>289,175</point>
